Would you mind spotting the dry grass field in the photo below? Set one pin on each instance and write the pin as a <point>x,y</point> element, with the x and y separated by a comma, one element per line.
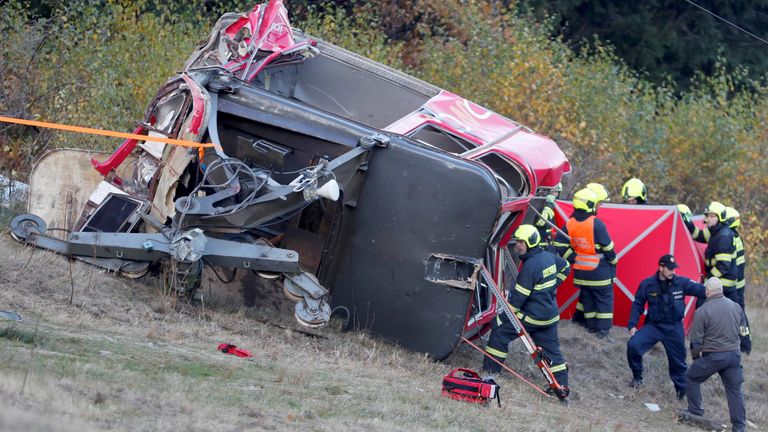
<point>100,352</point>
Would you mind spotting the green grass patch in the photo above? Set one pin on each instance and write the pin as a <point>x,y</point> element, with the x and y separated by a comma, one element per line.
<point>196,370</point>
<point>25,336</point>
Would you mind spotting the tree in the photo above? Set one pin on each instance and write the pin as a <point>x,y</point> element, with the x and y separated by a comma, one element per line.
<point>665,37</point>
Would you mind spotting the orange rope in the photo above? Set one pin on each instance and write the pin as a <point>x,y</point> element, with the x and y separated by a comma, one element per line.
<point>505,367</point>
<point>103,132</point>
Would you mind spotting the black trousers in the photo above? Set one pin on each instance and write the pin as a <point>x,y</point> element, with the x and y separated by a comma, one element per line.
<point>546,337</point>
<point>598,307</point>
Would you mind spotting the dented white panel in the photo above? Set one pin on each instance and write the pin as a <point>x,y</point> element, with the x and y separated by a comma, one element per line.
<point>102,190</point>
<point>154,148</point>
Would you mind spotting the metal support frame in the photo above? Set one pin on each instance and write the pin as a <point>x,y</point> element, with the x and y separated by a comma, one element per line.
<point>154,247</point>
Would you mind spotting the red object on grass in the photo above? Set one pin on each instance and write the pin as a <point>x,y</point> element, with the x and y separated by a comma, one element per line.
<point>234,350</point>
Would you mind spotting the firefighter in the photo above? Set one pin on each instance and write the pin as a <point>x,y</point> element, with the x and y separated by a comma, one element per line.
<point>664,294</point>
<point>634,192</point>
<point>534,301</point>
<point>591,251</point>
<point>733,220</point>
<point>719,259</point>
<point>546,221</point>
<point>721,256</point>
<point>602,195</point>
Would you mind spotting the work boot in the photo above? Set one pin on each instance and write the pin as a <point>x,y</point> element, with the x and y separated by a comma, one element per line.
<point>680,394</point>
<point>636,383</point>
<point>563,397</point>
<point>490,367</point>
<point>579,319</point>
<point>604,335</point>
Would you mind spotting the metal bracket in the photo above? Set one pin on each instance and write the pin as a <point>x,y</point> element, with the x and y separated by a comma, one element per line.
<point>311,310</point>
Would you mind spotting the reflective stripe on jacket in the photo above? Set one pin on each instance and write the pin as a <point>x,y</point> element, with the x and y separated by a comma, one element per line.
<point>600,277</point>
<point>741,262</point>
<point>719,256</point>
<point>534,296</point>
<point>583,243</point>
<point>543,224</point>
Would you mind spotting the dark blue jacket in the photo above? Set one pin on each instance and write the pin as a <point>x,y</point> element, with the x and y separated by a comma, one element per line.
<point>544,228</point>
<point>665,299</point>
<point>534,297</point>
<point>719,256</point>
<point>738,244</point>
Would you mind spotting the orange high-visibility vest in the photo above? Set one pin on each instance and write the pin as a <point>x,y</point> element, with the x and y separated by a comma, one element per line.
<point>583,243</point>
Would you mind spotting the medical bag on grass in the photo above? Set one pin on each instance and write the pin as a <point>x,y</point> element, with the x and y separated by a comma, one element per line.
<point>466,385</point>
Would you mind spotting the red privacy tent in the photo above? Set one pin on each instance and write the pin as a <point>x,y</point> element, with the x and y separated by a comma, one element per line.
<point>641,234</point>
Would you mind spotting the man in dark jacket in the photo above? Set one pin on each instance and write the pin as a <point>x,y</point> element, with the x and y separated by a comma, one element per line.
<point>534,301</point>
<point>719,327</point>
<point>664,294</point>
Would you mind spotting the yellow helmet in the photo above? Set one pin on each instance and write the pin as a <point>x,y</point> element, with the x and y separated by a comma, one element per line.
<point>585,199</point>
<point>634,188</point>
<point>529,234</point>
<point>718,209</point>
<point>732,217</point>
<point>600,191</point>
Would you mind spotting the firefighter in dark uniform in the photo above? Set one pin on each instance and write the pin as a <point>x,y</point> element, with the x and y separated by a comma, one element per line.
<point>733,220</point>
<point>719,259</point>
<point>602,195</point>
<point>664,294</point>
<point>634,192</point>
<point>534,301</point>
<point>592,254</point>
<point>546,220</point>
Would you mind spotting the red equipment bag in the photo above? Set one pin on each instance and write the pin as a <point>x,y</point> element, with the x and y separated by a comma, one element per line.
<point>466,385</point>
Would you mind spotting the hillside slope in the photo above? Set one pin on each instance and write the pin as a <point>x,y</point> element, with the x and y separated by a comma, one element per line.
<point>123,356</point>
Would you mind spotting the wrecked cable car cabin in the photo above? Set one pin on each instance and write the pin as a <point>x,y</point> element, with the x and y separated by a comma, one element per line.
<point>336,175</point>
